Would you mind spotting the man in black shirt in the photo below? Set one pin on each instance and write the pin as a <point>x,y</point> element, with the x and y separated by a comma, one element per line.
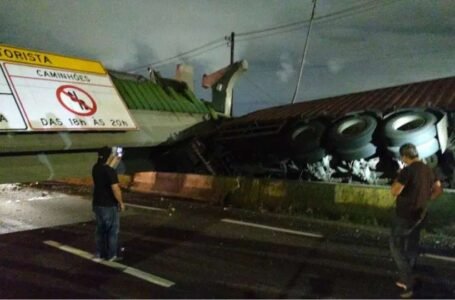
<point>107,202</point>
<point>415,185</point>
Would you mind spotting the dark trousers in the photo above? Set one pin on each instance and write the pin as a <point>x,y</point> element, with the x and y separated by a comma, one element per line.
<point>107,229</point>
<point>404,247</point>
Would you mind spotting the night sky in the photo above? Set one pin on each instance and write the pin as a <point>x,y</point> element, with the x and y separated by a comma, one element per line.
<point>353,45</point>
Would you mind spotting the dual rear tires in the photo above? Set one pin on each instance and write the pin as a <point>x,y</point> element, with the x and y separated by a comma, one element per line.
<point>352,137</point>
<point>416,127</point>
<point>357,136</point>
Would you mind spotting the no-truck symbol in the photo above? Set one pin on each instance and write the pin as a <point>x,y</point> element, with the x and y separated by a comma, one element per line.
<point>76,100</point>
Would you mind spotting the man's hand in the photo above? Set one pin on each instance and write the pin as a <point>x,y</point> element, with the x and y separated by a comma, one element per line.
<point>436,190</point>
<point>118,196</point>
<point>396,188</point>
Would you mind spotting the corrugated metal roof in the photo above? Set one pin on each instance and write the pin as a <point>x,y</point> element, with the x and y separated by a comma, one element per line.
<point>140,93</point>
<point>438,93</point>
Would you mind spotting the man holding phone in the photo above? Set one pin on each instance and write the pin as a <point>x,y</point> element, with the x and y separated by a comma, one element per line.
<point>107,202</point>
<point>415,185</point>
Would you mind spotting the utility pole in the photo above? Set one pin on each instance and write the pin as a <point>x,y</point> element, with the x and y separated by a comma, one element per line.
<point>305,48</point>
<point>231,41</point>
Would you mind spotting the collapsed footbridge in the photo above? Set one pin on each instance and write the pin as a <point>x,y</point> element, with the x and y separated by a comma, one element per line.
<point>57,111</point>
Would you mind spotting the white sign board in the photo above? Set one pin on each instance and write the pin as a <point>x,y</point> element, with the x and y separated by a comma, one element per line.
<point>59,99</point>
<point>10,115</point>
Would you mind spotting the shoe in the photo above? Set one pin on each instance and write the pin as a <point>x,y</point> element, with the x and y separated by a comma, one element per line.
<point>115,258</point>
<point>401,285</point>
<point>97,259</point>
<point>406,294</point>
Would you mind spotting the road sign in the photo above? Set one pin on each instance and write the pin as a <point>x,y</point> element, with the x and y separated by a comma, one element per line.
<point>10,115</point>
<point>33,57</point>
<point>76,100</point>
<point>56,99</point>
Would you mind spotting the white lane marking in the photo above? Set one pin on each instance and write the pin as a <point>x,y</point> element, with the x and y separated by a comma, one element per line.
<point>145,207</point>
<point>124,268</point>
<point>446,258</point>
<point>39,198</point>
<point>307,234</point>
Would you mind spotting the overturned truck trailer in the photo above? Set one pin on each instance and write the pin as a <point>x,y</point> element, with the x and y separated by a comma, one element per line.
<point>354,137</point>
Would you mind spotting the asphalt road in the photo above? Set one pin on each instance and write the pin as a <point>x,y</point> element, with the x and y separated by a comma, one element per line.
<point>177,249</point>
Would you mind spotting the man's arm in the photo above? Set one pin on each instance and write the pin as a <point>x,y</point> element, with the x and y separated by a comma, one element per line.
<point>118,195</point>
<point>396,188</point>
<point>436,190</point>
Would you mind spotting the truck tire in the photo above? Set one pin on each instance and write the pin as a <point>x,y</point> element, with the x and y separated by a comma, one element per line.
<point>421,128</point>
<point>425,149</point>
<point>357,153</point>
<point>353,131</point>
<point>307,137</point>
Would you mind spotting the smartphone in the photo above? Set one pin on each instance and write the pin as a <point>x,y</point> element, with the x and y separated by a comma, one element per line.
<point>117,151</point>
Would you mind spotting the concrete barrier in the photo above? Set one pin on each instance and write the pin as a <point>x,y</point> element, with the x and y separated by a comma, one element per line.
<point>124,181</point>
<point>364,204</point>
<point>188,186</point>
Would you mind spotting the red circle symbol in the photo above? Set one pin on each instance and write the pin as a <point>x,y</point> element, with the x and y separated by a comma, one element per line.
<point>76,100</point>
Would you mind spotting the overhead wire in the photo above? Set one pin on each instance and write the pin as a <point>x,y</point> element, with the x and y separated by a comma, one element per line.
<point>302,22</point>
<point>284,26</point>
<point>266,32</point>
<point>358,9</point>
<point>294,26</point>
<point>269,34</point>
<point>186,53</point>
<point>165,62</point>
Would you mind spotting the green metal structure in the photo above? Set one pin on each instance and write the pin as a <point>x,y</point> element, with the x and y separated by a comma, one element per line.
<point>165,95</point>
